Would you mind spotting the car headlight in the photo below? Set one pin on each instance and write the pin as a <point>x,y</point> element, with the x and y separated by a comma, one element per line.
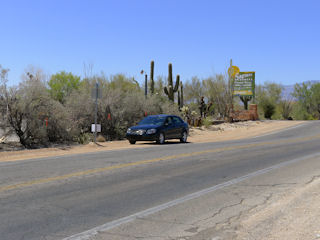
<point>152,131</point>
<point>129,130</point>
<point>140,132</point>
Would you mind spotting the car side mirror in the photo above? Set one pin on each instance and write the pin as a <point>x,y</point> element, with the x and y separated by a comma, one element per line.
<point>166,124</point>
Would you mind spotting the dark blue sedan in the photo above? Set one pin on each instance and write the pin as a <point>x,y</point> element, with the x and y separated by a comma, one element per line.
<point>159,128</point>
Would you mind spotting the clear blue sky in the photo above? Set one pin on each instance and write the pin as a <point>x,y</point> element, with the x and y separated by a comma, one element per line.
<point>277,39</point>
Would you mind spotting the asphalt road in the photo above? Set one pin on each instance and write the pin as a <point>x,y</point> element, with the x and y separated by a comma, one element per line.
<point>54,198</point>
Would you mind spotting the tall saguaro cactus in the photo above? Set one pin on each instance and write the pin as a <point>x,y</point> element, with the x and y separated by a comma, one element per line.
<point>151,77</point>
<point>181,95</point>
<point>170,90</point>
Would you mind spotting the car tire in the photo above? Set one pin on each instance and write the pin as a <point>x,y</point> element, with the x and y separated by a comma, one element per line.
<point>184,137</point>
<point>161,138</point>
<point>132,142</point>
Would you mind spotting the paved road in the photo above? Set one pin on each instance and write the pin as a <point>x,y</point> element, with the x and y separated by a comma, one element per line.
<point>54,198</point>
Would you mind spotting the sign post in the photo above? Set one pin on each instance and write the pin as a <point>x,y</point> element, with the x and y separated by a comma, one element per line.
<point>96,93</point>
<point>232,72</point>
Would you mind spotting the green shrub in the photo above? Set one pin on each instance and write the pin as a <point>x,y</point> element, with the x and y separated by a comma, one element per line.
<point>269,110</point>
<point>84,138</point>
<point>206,122</point>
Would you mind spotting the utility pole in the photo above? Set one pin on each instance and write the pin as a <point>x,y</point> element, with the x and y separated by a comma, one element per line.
<point>96,112</point>
<point>230,74</point>
<point>146,86</point>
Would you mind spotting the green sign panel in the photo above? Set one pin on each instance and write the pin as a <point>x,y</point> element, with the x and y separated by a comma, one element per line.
<point>244,84</point>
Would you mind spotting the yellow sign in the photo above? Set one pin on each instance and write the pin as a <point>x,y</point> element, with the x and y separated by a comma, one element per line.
<point>233,71</point>
<point>243,92</point>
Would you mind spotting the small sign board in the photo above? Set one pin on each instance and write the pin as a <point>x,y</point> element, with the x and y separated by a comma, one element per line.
<point>244,84</point>
<point>93,129</point>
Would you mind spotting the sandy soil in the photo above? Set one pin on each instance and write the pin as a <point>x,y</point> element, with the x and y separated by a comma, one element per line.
<point>222,132</point>
<point>294,216</point>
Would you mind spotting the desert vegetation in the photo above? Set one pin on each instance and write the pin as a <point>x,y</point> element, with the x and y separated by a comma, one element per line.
<point>44,109</point>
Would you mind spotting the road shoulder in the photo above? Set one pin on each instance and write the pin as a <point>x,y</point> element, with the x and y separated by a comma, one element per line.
<point>219,133</point>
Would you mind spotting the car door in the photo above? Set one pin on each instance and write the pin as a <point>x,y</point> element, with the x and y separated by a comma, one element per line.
<point>178,127</point>
<point>169,128</point>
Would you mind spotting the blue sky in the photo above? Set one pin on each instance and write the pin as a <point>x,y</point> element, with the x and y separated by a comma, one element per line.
<point>277,39</point>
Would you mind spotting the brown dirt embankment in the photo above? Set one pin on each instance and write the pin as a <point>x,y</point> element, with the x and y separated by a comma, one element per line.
<point>217,133</point>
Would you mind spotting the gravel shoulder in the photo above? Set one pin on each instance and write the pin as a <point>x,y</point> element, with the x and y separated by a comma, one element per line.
<point>217,133</point>
<point>295,215</point>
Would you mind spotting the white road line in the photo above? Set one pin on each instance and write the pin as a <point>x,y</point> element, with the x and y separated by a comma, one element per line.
<point>280,131</point>
<point>107,226</point>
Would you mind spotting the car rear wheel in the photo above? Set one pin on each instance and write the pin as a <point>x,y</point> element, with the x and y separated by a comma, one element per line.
<point>161,139</point>
<point>132,142</point>
<point>184,137</point>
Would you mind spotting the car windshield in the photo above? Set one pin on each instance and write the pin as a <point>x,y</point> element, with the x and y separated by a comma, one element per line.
<point>152,120</point>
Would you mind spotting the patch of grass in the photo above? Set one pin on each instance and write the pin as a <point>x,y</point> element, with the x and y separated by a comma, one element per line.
<point>206,122</point>
<point>84,138</point>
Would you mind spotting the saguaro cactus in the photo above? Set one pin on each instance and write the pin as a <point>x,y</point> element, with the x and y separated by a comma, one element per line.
<point>170,90</point>
<point>151,77</point>
<point>245,100</point>
<point>181,95</point>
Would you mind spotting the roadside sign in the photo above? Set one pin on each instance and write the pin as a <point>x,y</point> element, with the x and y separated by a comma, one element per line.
<point>244,84</point>
<point>233,71</point>
<point>93,129</point>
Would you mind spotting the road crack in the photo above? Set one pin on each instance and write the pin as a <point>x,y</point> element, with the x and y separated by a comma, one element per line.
<point>312,179</point>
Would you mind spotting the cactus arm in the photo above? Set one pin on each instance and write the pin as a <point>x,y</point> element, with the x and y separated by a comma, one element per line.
<point>165,89</point>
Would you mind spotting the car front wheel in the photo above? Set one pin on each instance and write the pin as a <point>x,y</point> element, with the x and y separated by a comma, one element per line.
<point>161,139</point>
<point>132,142</point>
<point>184,137</point>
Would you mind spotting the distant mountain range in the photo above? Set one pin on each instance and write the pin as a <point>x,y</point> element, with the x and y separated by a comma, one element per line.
<point>289,89</point>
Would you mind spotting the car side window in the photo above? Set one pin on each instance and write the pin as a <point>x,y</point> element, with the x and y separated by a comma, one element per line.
<point>169,121</point>
<point>176,121</point>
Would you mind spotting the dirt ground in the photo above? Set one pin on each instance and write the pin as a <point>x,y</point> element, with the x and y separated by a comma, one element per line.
<point>215,133</point>
<point>294,216</point>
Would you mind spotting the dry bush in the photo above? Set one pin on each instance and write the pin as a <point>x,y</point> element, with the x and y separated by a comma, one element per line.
<point>127,110</point>
<point>80,107</point>
<point>219,94</point>
<point>30,108</point>
<point>101,138</point>
<point>38,119</point>
<point>286,108</point>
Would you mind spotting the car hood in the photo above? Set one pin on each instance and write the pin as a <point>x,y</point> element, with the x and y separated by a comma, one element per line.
<point>145,127</point>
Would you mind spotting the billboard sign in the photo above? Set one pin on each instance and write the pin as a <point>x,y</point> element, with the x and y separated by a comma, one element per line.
<point>244,84</point>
